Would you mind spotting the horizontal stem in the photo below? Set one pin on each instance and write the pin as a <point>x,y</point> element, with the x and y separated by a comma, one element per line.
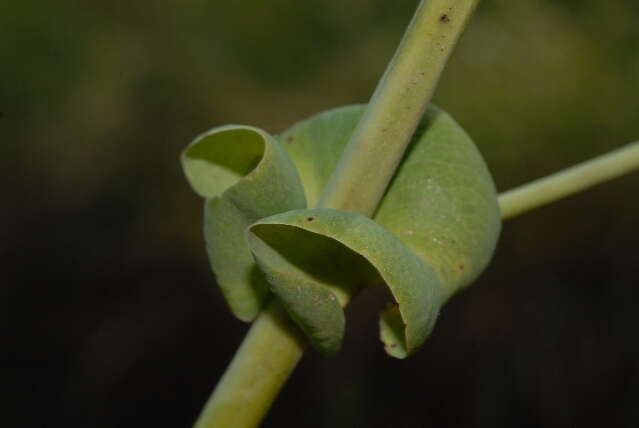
<point>569,181</point>
<point>274,345</point>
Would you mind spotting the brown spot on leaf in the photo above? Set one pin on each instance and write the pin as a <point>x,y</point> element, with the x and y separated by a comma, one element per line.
<point>444,18</point>
<point>290,139</point>
<point>461,267</point>
<point>310,218</point>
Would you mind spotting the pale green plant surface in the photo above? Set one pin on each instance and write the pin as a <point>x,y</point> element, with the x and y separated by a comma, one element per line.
<point>391,192</point>
<point>245,175</point>
<point>91,148</point>
<point>434,232</point>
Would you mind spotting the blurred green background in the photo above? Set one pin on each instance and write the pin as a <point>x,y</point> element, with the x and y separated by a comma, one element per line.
<point>112,318</point>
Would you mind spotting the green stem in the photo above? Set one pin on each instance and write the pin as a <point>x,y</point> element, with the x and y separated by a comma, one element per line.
<point>569,181</point>
<point>382,135</point>
<point>269,353</point>
<point>272,347</point>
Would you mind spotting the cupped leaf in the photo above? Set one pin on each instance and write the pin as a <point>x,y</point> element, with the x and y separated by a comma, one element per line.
<point>433,233</point>
<point>312,275</point>
<point>442,201</point>
<point>441,204</point>
<point>244,174</point>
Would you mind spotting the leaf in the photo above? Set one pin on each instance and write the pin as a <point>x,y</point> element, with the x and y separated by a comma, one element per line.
<point>442,202</point>
<point>434,232</point>
<point>245,175</point>
<point>287,257</point>
<point>316,144</point>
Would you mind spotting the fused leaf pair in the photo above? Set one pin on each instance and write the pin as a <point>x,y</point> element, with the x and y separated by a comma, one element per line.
<point>433,233</point>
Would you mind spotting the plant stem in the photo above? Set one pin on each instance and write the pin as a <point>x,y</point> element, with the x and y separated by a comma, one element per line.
<point>382,135</point>
<point>261,365</point>
<point>273,347</point>
<point>569,181</point>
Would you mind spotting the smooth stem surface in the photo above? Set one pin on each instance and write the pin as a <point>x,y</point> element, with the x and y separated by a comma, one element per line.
<point>272,347</point>
<point>258,371</point>
<point>398,104</point>
<point>569,181</point>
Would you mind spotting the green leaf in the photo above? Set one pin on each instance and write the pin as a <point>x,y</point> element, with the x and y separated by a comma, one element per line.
<point>442,202</point>
<point>245,175</point>
<point>434,232</point>
<point>312,281</point>
<point>316,145</point>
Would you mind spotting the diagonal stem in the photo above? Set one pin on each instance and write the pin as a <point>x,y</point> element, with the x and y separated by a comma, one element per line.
<point>272,347</point>
<point>269,353</point>
<point>569,181</point>
<point>389,122</point>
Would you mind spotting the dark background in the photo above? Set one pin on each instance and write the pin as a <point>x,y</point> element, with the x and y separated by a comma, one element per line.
<point>111,317</point>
